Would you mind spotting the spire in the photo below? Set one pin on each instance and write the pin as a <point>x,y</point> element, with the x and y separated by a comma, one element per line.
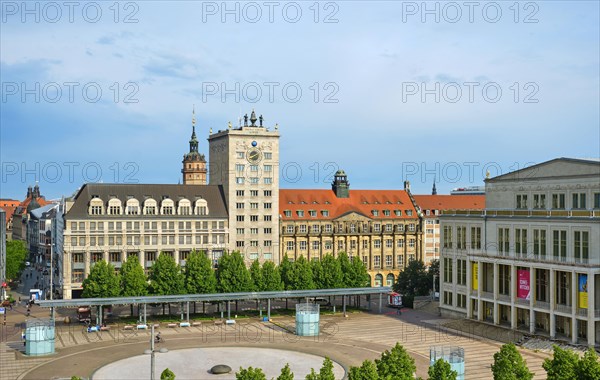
<point>433,190</point>
<point>193,140</point>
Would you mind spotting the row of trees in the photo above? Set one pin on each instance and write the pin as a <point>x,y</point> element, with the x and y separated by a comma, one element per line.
<point>397,364</point>
<point>16,253</point>
<point>199,277</point>
<point>416,280</point>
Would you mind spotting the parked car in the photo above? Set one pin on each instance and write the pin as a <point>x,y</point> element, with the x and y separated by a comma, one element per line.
<point>27,264</point>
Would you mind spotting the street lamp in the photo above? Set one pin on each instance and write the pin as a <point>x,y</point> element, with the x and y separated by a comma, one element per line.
<point>151,351</point>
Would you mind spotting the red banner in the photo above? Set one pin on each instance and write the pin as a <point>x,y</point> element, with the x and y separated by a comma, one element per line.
<point>523,288</point>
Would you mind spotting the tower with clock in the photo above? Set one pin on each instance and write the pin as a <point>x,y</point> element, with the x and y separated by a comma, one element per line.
<point>245,161</point>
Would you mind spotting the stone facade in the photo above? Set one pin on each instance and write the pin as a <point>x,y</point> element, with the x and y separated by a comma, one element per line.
<point>531,259</point>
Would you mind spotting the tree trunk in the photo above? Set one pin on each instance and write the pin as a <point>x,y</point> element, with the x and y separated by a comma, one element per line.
<point>286,304</point>
<point>163,307</point>
<point>131,309</point>
<point>169,308</point>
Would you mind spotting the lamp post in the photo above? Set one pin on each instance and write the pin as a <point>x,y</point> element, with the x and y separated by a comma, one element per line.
<point>151,351</point>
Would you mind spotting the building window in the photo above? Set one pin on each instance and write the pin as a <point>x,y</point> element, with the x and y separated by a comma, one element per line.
<point>302,229</point>
<point>597,200</point>
<point>389,227</point>
<point>96,210</point>
<point>461,268</point>
<point>558,201</point>
<point>239,243</point>
<point>300,213</point>
<point>400,243</point>
<point>302,245</point>
<point>386,212</point>
<point>328,244</point>
<point>377,261</point>
<point>539,201</point>
<point>377,243</point>
<point>316,228</point>
<point>411,244</point>
<point>254,205</point>
<point>115,256</point>
<point>475,237</point>
<point>239,193</point>
<point>267,193</point>
<point>267,205</point>
<point>289,229</point>
<point>114,210</point>
<point>461,301</point>
<point>579,200</point>
<point>522,201</point>
<point>253,168</point>
<point>267,243</point>
<point>400,227</point>
<point>268,155</point>
<point>77,276</point>
<point>504,279</point>
<point>448,298</point>
<point>559,245</point>
<point>503,240</point>
<point>325,213</point>
<point>315,245</point>
<point>376,227</point>
<point>375,212</point>
<point>447,269</point>
<point>239,154</point>
<point>289,245</point>
<point>167,210</point>
<point>268,168</point>
<point>287,213</point>
<point>461,237</point>
<point>267,218</point>
<point>239,218</point>
<point>239,231</point>
<point>521,241</point>
<point>539,243</point>
<point>254,231</point>
<point>254,243</point>
<point>400,259</point>
<point>398,212</point>
<point>312,213</point>
<point>328,228</point>
<point>268,180</point>
<point>389,243</point>
<point>411,227</point>
<point>388,261</point>
<point>448,237</point>
<point>254,218</point>
<point>581,246</point>
<point>239,205</point>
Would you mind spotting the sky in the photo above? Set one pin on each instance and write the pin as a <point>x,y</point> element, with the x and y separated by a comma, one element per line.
<point>386,90</point>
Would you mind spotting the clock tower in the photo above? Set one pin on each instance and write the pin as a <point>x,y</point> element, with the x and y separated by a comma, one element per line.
<point>245,161</point>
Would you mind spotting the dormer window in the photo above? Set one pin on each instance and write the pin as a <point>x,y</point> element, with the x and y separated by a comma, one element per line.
<point>287,213</point>
<point>375,212</point>
<point>300,213</point>
<point>312,213</point>
<point>325,213</point>
<point>398,212</point>
<point>96,206</point>
<point>114,207</point>
<point>386,212</point>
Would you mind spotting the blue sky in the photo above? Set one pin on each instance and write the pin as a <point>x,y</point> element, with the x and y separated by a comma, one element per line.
<point>378,68</point>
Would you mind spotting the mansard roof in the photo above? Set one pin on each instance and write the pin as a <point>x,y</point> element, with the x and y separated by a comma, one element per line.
<point>213,195</point>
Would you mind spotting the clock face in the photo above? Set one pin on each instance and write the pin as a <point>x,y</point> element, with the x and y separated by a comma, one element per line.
<point>254,156</point>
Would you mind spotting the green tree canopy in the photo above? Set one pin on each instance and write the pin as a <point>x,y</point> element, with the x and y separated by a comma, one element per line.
<point>345,266</point>
<point>199,275</point>
<point>509,364</point>
<point>250,374</point>
<point>285,271</point>
<point>367,371</point>
<point>327,273</point>
<point>16,253</point>
<point>396,364</point>
<point>166,277</point>
<point>256,275</point>
<point>271,277</point>
<point>562,366</point>
<point>101,282</point>
<point>232,274</point>
<point>588,367</point>
<point>358,276</point>
<point>413,280</point>
<point>441,370</point>
<point>133,279</point>
<point>300,275</point>
<point>167,374</point>
<point>286,373</point>
<point>326,372</point>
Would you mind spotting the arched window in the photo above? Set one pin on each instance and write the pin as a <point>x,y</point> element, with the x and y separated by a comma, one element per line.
<point>201,207</point>
<point>150,207</point>
<point>96,207</point>
<point>132,207</point>
<point>114,207</point>
<point>167,207</point>
<point>184,207</point>
<point>389,280</point>
<point>378,280</point>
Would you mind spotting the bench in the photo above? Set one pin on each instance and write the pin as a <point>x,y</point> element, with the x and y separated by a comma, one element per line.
<point>195,324</point>
<point>184,324</point>
<point>171,325</point>
<point>128,327</point>
<point>104,328</point>
<point>218,322</point>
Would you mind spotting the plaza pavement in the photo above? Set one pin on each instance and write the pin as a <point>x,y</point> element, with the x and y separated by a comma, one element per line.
<point>347,341</point>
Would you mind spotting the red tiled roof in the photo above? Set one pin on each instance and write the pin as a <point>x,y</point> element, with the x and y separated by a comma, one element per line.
<point>360,201</point>
<point>450,202</point>
<point>9,203</point>
<point>9,210</point>
<point>23,205</point>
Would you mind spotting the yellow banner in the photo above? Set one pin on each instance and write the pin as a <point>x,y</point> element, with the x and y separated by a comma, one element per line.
<point>583,291</point>
<point>475,276</point>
